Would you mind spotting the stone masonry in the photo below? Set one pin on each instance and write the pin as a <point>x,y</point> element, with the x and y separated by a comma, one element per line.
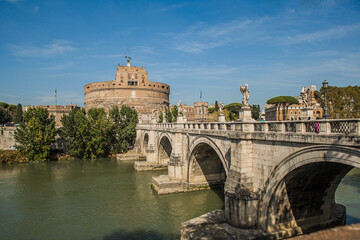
<point>131,87</point>
<point>280,177</point>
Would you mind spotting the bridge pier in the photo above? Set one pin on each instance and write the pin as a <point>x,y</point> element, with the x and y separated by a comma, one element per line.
<point>280,177</point>
<point>151,153</point>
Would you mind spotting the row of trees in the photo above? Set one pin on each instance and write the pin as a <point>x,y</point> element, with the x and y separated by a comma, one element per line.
<point>342,102</point>
<point>10,113</point>
<point>89,134</point>
<point>170,116</point>
<point>231,111</point>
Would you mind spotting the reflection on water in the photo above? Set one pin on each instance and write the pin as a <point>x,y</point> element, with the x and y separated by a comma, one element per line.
<point>107,199</point>
<point>348,194</point>
<point>97,199</point>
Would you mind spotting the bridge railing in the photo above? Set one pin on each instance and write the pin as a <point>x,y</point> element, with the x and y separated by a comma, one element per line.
<point>328,126</point>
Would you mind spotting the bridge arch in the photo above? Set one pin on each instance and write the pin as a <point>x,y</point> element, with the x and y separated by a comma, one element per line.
<point>164,148</point>
<point>206,162</point>
<point>300,192</point>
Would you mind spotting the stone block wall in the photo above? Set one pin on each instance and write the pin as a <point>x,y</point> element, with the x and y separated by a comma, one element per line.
<point>7,137</point>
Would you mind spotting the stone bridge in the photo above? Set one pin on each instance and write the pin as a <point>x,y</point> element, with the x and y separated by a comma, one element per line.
<point>279,177</point>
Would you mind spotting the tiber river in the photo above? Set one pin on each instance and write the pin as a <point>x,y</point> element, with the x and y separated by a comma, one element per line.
<point>107,199</point>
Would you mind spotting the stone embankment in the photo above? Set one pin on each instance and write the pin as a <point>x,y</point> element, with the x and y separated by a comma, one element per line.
<point>130,156</point>
<point>213,225</point>
<point>7,139</point>
<point>349,232</point>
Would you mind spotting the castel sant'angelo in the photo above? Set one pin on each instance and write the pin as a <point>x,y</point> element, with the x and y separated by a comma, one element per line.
<point>131,87</point>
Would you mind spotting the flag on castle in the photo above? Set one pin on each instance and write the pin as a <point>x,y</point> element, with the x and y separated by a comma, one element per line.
<point>55,92</point>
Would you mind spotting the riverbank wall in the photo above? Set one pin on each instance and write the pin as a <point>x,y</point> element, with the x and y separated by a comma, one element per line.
<point>7,139</point>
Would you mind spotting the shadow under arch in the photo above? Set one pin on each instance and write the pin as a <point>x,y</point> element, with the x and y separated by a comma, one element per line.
<point>164,148</point>
<point>145,141</point>
<point>299,195</point>
<point>206,163</point>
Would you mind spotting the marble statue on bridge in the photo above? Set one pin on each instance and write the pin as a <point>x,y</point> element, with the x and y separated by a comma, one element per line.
<point>246,94</point>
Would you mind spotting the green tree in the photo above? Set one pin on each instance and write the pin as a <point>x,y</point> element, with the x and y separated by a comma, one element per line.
<point>211,110</point>
<point>123,130</point>
<point>100,128</point>
<point>342,102</point>
<point>255,111</point>
<point>233,109</point>
<point>36,134</point>
<point>175,114</point>
<point>168,115</point>
<point>75,131</point>
<point>4,105</point>
<point>161,117</point>
<point>216,106</point>
<point>4,115</point>
<point>285,101</point>
<point>18,114</point>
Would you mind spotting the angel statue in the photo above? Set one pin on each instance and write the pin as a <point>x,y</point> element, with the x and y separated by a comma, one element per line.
<point>221,108</point>
<point>304,95</point>
<point>246,94</point>
<point>180,109</point>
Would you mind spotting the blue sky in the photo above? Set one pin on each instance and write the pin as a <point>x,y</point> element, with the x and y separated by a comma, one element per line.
<point>210,46</point>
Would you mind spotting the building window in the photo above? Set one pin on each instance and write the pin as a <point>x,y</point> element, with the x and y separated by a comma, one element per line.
<point>129,76</point>
<point>143,79</point>
<point>135,76</point>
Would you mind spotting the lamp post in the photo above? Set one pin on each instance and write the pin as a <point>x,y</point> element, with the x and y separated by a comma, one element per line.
<point>326,114</point>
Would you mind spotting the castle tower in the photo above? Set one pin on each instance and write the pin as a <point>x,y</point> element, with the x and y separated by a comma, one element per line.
<point>131,87</point>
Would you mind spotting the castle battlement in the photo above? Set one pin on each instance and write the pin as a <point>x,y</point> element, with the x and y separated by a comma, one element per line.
<point>131,87</point>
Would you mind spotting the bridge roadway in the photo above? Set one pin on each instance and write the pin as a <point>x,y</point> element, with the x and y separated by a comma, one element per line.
<point>279,177</point>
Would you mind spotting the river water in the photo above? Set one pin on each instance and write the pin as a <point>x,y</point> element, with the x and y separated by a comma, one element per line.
<point>107,199</point>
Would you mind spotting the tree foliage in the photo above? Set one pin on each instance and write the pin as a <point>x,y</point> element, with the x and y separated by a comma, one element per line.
<point>94,134</point>
<point>286,100</point>
<point>4,115</point>
<point>161,117</point>
<point>100,127</point>
<point>75,131</point>
<point>216,106</point>
<point>7,112</point>
<point>168,115</point>
<point>123,128</point>
<point>255,111</point>
<point>175,114</point>
<point>4,105</point>
<point>233,109</point>
<point>211,110</point>
<point>18,114</point>
<point>342,102</point>
<point>36,134</point>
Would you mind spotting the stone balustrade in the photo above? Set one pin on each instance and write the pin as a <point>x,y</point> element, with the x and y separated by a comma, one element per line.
<point>323,126</point>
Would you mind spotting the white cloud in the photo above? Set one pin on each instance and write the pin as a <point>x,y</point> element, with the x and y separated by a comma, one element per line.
<point>335,32</point>
<point>59,66</point>
<point>198,38</point>
<point>146,49</point>
<point>27,50</point>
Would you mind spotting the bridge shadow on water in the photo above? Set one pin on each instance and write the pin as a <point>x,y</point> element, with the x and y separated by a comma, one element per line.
<point>140,234</point>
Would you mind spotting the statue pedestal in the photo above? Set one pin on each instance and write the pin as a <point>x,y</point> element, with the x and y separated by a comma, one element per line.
<point>307,113</point>
<point>245,115</point>
<point>180,119</point>
<point>222,118</point>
